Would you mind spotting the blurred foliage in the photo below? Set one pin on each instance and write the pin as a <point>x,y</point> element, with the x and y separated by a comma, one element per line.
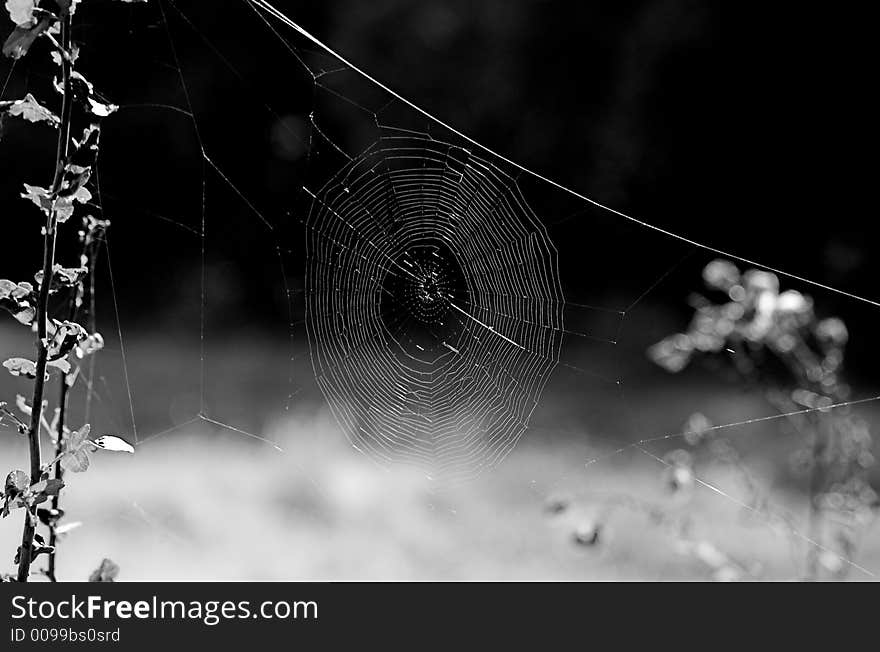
<point>775,341</point>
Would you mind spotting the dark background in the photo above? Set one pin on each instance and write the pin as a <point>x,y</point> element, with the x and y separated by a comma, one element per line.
<point>749,133</point>
<point>746,131</point>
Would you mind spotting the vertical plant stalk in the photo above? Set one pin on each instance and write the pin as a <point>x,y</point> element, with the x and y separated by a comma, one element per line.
<point>59,472</point>
<point>66,382</point>
<point>49,240</point>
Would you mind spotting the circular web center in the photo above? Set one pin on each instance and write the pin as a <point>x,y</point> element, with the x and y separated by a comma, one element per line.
<point>430,288</point>
<point>418,295</point>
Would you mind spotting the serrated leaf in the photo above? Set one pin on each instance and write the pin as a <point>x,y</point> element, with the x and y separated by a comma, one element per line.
<point>15,290</point>
<point>76,450</point>
<point>21,367</point>
<point>17,482</point>
<point>62,205</point>
<point>76,461</point>
<point>63,277</point>
<point>77,438</point>
<point>40,196</point>
<point>6,288</point>
<point>17,299</point>
<point>112,443</point>
<point>31,110</point>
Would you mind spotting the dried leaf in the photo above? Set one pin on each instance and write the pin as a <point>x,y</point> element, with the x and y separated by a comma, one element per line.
<point>31,110</point>
<point>21,367</point>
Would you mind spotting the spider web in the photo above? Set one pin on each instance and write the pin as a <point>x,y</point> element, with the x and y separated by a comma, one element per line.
<point>426,279</point>
<point>434,305</point>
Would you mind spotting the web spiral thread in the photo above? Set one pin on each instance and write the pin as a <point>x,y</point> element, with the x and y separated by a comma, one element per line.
<point>434,306</point>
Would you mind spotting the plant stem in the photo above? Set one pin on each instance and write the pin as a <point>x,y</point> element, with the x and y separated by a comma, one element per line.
<point>49,239</point>
<point>65,385</point>
<point>59,474</point>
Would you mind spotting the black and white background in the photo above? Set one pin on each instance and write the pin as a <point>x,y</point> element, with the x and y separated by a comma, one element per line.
<point>300,406</point>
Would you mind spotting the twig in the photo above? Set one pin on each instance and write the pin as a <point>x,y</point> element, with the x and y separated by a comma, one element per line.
<point>49,239</point>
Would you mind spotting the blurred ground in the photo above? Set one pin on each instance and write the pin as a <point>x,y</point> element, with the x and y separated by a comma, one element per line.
<point>184,510</point>
<point>205,503</point>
